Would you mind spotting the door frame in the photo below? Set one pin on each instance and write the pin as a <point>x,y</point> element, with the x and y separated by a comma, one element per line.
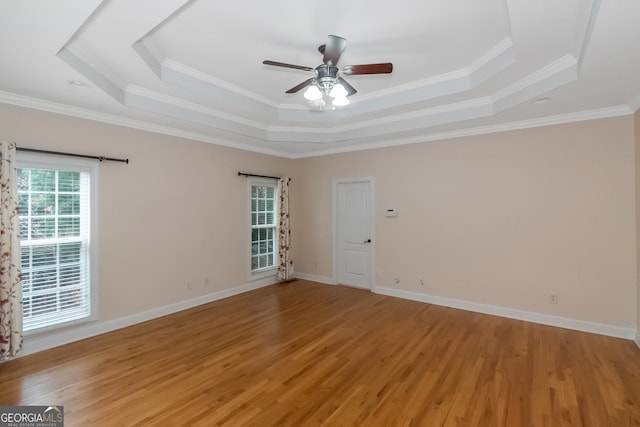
<point>334,224</point>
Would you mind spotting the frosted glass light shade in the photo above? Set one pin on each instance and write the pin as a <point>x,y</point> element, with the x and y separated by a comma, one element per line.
<point>313,93</point>
<point>338,91</point>
<point>340,101</point>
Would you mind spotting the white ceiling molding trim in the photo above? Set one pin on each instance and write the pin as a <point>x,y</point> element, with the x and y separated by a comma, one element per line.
<point>92,74</point>
<point>146,100</point>
<point>541,81</point>
<point>588,16</point>
<point>604,113</point>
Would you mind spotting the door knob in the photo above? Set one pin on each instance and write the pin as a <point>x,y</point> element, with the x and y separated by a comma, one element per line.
<point>367,241</point>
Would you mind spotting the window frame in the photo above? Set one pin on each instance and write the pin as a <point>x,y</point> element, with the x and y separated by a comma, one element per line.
<point>25,160</point>
<point>272,270</point>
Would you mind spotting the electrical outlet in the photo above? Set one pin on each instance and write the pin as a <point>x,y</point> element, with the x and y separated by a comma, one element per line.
<point>397,278</point>
<point>188,286</point>
<point>206,282</point>
<point>421,281</point>
<point>553,298</point>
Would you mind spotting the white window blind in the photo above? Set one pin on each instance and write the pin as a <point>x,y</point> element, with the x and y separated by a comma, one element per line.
<point>264,226</point>
<point>55,236</point>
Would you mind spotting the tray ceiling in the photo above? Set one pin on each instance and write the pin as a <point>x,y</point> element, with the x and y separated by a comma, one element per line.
<point>194,68</point>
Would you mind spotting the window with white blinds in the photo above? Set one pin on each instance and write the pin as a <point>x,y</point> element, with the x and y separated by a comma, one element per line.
<point>264,226</point>
<point>55,231</point>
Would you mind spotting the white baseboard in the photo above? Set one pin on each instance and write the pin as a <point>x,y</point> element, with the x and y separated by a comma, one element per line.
<point>314,278</point>
<point>35,343</point>
<point>545,319</point>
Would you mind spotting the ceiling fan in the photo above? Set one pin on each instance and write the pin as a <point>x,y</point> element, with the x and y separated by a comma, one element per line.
<point>328,81</point>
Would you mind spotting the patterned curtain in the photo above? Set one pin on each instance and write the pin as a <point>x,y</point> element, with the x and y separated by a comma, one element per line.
<point>285,263</point>
<point>10,276</point>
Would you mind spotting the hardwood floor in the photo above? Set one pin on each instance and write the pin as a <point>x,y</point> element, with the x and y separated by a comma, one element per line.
<point>305,354</point>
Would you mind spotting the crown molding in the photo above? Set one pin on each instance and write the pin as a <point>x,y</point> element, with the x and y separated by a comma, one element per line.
<point>112,119</point>
<point>57,108</point>
<point>602,113</point>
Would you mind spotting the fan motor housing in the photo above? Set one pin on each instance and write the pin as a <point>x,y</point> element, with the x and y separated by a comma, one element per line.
<point>326,76</point>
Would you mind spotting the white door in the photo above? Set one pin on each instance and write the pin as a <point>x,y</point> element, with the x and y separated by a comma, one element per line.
<point>354,234</point>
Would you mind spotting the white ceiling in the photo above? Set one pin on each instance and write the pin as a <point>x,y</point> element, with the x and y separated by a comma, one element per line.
<point>193,68</point>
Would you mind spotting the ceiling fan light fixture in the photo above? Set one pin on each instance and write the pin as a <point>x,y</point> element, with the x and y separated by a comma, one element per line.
<point>340,101</point>
<point>313,93</point>
<point>338,91</point>
<point>327,89</point>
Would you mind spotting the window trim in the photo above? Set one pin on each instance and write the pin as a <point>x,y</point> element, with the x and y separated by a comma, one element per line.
<point>267,271</point>
<point>28,160</point>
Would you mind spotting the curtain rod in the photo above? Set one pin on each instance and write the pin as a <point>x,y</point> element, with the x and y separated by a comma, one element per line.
<point>258,176</point>
<point>84,156</point>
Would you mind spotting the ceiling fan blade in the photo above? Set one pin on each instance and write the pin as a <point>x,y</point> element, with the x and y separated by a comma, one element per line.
<point>282,64</point>
<point>350,89</point>
<point>300,86</point>
<point>333,49</point>
<point>384,68</point>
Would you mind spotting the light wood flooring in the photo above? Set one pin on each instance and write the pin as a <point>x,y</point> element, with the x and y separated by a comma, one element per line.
<point>305,354</point>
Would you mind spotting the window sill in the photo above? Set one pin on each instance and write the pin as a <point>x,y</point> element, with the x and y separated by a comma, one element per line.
<point>261,274</point>
<point>59,326</point>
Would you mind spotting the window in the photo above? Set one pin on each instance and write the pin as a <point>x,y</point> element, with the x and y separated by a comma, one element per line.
<point>55,233</point>
<point>264,226</point>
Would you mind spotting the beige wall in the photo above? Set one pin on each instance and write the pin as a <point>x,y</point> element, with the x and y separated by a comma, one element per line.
<point>503,219</point>
<point>176,213</point>
<point>637,158</point>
